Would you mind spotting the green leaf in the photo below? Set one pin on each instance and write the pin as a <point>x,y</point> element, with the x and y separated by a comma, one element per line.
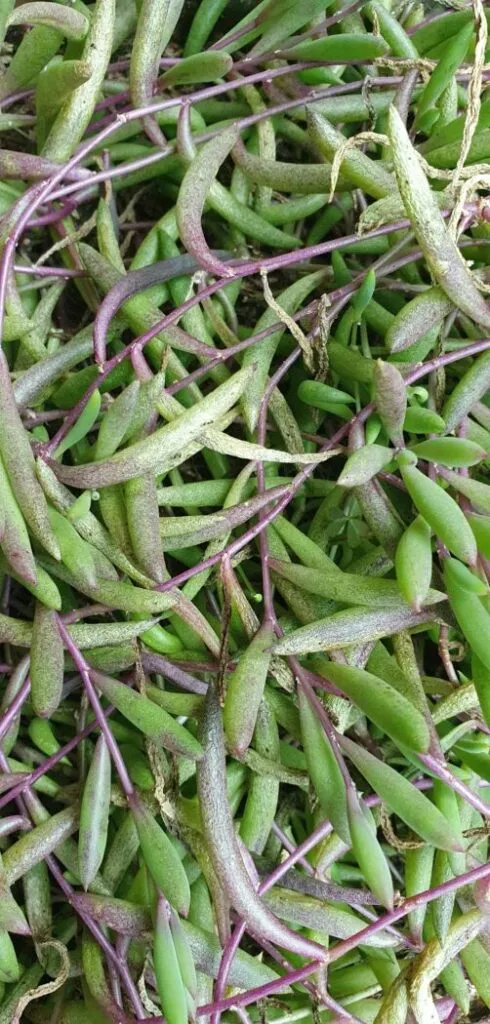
<point>78,556</point>
<point>117,420</point>
<point>47,662</point>
<point>193,192</point>
<point>418,873</point>
<point>435,957</point>
<point>413,563</point>
<point>94,814</point>
<point>161,858</point>
<point>443,73</point>
<point>467,579</point>
<point>9,965</point>
<point>394,1006</point>
<point>419,420</point>
<point>148,717</point>
<point>153,453</point>
<point>450,451</point>
<point>71,23</point>
<point>364,294</point>
<point>83,425</point>
<point>368,852</point>
<point>403,798</point>
<point>245,689</point>
<point>441,253</point>
<point>200,67</point>
<point>481,529</point>
<point>322,396</point>
<point>324,917</point>
<point>481,679</point>
<point>471,615</point>
<point>348,588</point>
<point>184,955</point>
<point>332,48</point>
<point>476,492</point>
<point>170,985</point>
<point>363,464</point>
<point>324,770</point>
<point>12,918</point>
<point>382,704</point>
<point>441,512</point>
<point>35,845</point>
<point>390,396</point>
<point>355,626</point>
<point>282,18</point>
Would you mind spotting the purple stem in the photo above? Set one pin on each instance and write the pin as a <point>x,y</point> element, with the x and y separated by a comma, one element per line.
<point>307,95</point>
<point>10,714</point>
<point>338,298</point>
<point>261,531</point>
<point>435,765</point>
<point>224,968</point>
<point>119,963</point>
<point>65,210</point>
<point>22,268</point>
<point>113,101</point>
<point>16,97</point>
<point>204,94</point>
<point>319,683</point>
<point>85,612</point>
<point>280,108</point>
<point>293,977</point>
<point>85,672</point>
<point>232,549</point>
<point>453,1015</point>
<point>157,663</point>
<point>153,663</point>
<point>340,293</point>
<point>123,64</point>
<point>34,418</point>
<point>28,780</point>
<point>435,16</point>
<point>232,36</point>
<point>269,264</point>
<point>234,942</point>
<point>318,992</point>
<point>270,616</point>
<point>290,847</point>
<point>419,900</point>
<point>200,666</point>
<point>154,157</point>
<point>392,480</point>
<point>270,988</point>
<point>93,927</point>
<point>283,54</point>
<point>14,823</point>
